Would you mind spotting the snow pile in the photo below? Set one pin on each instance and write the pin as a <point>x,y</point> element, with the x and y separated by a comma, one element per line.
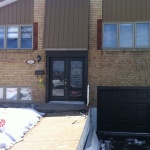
<point>15,123</point>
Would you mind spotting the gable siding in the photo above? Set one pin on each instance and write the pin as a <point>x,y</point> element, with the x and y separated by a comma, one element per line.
<point>66,24</point>
<point>20,12</point>
<point>126,10</point>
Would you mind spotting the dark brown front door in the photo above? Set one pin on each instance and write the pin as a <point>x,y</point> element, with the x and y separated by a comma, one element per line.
<point>66,81</point>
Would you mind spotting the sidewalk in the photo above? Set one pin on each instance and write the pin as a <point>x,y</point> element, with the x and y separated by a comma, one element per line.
<point>60,130</point>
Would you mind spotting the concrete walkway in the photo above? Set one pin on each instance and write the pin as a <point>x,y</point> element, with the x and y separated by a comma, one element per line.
<point>55,131</point>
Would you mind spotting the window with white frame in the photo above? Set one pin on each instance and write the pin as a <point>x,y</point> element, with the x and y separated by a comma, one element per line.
<point>126,35</point>
<point>16,37</point>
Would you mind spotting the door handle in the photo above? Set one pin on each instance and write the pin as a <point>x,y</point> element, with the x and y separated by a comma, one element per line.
<point>65,83</point>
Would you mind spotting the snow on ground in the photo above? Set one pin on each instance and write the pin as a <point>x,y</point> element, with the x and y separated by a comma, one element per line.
<point>15,123</point>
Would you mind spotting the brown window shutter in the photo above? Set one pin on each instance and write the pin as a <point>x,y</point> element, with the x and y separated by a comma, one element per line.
<point>35,35</point>
<point>99,34</point>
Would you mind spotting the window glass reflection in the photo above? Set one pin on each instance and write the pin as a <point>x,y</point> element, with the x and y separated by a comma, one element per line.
<point>142,35</point>
<point>12,37</point>
<point>76,79</point>
<point>58,78</point>
<point>126,35</point>
<point>2,32</point>
<point>110,36</point>
<point>26,37</point>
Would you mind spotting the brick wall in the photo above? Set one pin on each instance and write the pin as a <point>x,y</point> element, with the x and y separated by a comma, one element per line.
<point>115,67</point>
<point>14,71</point>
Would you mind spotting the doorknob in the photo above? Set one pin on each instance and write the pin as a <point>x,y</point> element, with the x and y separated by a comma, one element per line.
<point>65,82</point>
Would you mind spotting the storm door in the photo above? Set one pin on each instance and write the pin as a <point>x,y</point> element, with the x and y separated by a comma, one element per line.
<point>67,82</point>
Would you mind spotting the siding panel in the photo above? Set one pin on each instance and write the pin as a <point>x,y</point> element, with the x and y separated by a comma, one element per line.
<point>138,10</point>
<point>75,28</point>
<point>109,7</point>
<point>66,21</point>
<point>17,12</point>
<point>133,14</point>
<point>104,5</point>
<point>114,13</point>
<point>6,14</point>
<point>14,13</point>
<point>10,17</point>
<point>68,25</point>
<point>48,16</point>
<point>85,23</point>
<point>143,10</point>
<point>61,27</point>
<point>126,10</point>
<point>52,24</point>
<point>80,23</point>
<point>123,9</point>
<point>27,11</point>
<point>147,9</point>
<point>129,12</point>
<point>71,24</point>
<point>31,10</point>
<point>57,23</point>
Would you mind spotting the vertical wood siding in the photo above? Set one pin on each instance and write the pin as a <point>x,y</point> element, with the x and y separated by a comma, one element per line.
<point>66,24</point>
<point>126,10</point>
<point>19,12</point>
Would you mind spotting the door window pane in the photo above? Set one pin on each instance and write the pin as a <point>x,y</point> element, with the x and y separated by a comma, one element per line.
<point>58,78</point>
<point>76,79</point>
<point>26,37</point>
<point>2,33</point>
<point>142,35</point>
<point>110,36</point>
<point>12,37</point>
<point>126,35</point>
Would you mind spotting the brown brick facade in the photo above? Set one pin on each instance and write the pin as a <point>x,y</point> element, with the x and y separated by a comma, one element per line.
<point>105,68</point>
<point>14,71</point>
<point>125,67</point>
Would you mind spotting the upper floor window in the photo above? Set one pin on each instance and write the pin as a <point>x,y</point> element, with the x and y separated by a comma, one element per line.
<point>26,37</point>
<point>110,36</point>
<point>126,35</point>
<point>142,39</point>
<point>12,37</point>
<point>16,37</point>
<point>2,32</point>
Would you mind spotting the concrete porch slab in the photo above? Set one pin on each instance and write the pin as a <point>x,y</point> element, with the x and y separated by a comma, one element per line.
<point>60,107</point>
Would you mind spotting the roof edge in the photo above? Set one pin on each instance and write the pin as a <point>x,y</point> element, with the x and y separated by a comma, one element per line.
<point>6,2</point>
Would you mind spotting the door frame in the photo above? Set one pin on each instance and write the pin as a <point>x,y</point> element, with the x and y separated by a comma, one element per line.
<point>66,54</point>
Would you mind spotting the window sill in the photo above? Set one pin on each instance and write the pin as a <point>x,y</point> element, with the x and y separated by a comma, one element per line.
<point>17,50</point>
<point>127,49</point>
